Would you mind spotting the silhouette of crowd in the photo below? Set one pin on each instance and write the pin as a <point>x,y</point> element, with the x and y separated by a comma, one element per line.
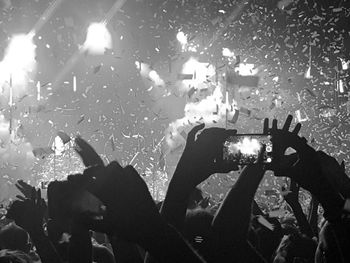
<point>107,214</point>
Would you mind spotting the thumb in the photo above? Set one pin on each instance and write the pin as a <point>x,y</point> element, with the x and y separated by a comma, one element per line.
<point>192,134</point>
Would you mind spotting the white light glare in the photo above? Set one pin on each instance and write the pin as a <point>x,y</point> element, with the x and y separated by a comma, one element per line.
<point>181,37</point>
<point>200,71</point>
<point>98,39</point>
<point>58,146</point>
<point>153,75</point>
<point>247,146</point>
<point>246,69</point>
<point>19,60</point>
<point>227,53</point>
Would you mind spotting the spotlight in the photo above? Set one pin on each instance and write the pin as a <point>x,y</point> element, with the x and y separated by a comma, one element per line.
<point>182,38</point>
<point>98,39</point>
<point>19,59</point>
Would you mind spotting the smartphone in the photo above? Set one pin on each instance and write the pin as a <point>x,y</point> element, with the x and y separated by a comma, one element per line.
<point>245,148</point>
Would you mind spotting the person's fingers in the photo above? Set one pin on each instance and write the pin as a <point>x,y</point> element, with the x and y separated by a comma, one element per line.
<point>297,128</point>
<point>287,123</point>
<point>192,134</point>
<point>20,188</point>
<point>22,198</point>
<point>22,183</point>
<point>274,124</point>
<point>266,126</point>
<point>115,167</point>
<point>87,153</point>
<point>33,194</point>
<point>131,171</point>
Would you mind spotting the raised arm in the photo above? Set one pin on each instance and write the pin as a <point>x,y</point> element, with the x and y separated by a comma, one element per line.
<point>201,158</point>
<point>132,214</point>
<point>292,198</point>
<point>29,214</point>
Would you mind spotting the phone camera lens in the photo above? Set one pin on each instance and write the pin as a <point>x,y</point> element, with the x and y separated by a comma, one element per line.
<point>268,149</point>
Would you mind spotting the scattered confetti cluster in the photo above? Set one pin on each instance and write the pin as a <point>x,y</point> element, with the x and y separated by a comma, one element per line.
<point>166,66</point>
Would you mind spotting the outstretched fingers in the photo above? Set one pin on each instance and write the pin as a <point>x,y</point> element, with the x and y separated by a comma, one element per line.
<point>297,128</point>
<point>288,122</point>
<point>266,126</point>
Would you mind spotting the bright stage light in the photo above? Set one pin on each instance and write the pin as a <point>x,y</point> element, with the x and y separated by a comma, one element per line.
<point>20,53</point>
<point>58,146</point>
<point>98,39</point>
<point>246,69</point>
<point>19,60</point>
<point>182,38</point>
<point>248,146</point>
<point>227,53</point>
<point>153,75</point>
<point>200,72</point>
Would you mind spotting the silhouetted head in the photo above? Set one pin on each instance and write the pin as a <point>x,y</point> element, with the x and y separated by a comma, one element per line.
<point>14,237</point>
<point>14,256</point>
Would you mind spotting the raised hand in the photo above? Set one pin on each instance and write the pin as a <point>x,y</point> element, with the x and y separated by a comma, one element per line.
<point>130,208</point>
<point>88,155</point>
<point>304,167</point>
<point>29,213</point>
<point>291,195</point>
<point>203,156</point>
<point>335,173</point>
<point>283,139</point>
<point>25,188</point>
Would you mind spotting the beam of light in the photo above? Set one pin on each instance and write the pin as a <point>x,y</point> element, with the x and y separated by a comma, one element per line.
<point>73,60</point>
<point>229,20</point>
<point>46,16</point>
<point>98,39</point>
<point>115,8</point>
